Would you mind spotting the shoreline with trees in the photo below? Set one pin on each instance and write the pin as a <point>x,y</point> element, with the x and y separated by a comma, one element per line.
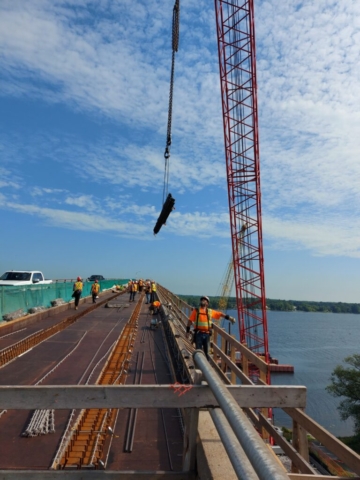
<point>345,383</point>
<point>284,305</point>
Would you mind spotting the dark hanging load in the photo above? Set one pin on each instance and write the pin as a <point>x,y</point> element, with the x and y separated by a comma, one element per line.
<point>168,207</point>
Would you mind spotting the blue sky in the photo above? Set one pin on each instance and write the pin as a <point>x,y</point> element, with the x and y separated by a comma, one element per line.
<point>83,116</point>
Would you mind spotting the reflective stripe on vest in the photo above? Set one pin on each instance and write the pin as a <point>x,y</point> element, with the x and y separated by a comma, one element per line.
<point>203,320</point>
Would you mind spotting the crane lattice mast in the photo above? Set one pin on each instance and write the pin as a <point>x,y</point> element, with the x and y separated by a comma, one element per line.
<point>236,45</point>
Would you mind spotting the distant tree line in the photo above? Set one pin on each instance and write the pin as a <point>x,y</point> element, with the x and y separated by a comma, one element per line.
<point>283,305</point>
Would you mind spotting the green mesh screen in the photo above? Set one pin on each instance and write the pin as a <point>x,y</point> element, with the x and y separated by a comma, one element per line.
<point>15,298</point>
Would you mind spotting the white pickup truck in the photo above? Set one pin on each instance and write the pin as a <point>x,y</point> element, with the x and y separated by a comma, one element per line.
<point>20,278</point>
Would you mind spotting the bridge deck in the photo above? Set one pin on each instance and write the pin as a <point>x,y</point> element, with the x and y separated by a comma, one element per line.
<point>157,441</point>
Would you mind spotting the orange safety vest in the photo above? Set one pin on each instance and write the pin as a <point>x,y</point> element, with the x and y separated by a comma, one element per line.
<point>203,320</point>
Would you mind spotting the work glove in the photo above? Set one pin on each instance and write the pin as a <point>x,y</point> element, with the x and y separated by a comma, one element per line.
<point>187,329</point>
<point>232,319</point>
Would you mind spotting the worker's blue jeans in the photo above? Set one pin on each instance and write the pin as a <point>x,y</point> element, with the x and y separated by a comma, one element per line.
<point>202,341</point>
<point>148,297</point>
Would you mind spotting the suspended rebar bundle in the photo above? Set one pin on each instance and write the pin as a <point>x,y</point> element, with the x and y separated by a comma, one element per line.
<point>168,207</point>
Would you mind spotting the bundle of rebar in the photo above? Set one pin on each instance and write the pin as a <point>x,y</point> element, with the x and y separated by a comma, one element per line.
<point>42,422</point>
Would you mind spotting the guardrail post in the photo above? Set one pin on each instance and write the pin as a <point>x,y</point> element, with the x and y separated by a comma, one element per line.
<point>191,432</point>
<point>2,306</point>
<point>215,337</point>
<point>265,411</point>
<point>223,348</point>
<point>300,443</point>
<point>233,359</point>
<point>245,363</point>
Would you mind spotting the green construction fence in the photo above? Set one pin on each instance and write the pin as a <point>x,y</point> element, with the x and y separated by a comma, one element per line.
<point>30,296</point>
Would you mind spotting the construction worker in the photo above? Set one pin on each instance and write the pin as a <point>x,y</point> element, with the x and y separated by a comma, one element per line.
<point>77,291</point>
<point>202,319</point>
<point>141,284</point>
<point>154,307</point>
<point>133,290</point>
<point>153,291</point>
<point>148,292</point>
<point>154,310</point>
<point>95,289</point>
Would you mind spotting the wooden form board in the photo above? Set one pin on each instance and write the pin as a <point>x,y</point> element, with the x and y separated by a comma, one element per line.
<point>251,356</point>
<point>93,475</point>
<point>145,396</point>
<point>342,451</point>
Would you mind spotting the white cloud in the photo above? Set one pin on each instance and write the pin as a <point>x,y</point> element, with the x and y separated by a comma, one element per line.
<point>143,167</point>
<point>128,219</point>
<point>199,224</point>
<point>118,66</point>
<point>85,201</point>
<point>7,179</point>
<point>39,191</point>
<point>308,88</point>
<point>322,236</point>
<point>79,220</point>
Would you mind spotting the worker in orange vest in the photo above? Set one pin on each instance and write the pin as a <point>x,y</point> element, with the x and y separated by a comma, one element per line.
<point>155,307</point>
<point>201,318</point>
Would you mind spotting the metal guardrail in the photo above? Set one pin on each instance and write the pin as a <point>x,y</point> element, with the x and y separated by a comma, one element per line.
<point>297,451</point>
<point>262,460</point>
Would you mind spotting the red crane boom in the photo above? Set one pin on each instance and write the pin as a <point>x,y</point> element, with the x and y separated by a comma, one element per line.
<point>237,60</point>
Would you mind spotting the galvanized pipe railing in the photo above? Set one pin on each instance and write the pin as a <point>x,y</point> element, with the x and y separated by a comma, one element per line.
<point>262,460</point>
<point>241,464</point>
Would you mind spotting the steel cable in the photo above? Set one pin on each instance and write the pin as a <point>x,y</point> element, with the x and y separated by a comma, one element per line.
<point>175,46</point>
